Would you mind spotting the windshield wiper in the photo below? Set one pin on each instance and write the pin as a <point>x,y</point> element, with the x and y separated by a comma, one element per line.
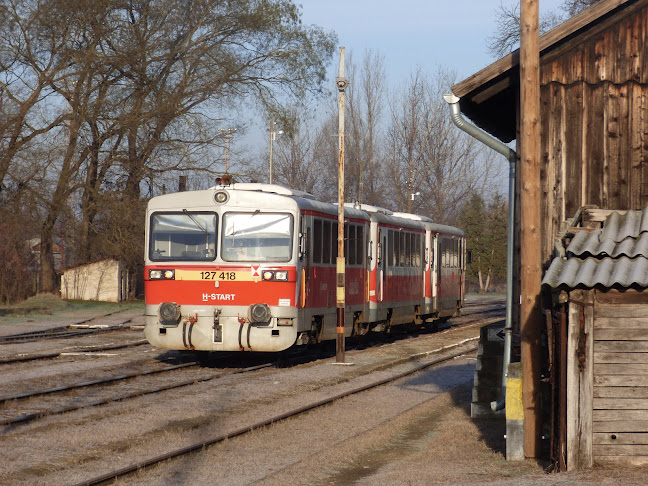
<point>196,222</point>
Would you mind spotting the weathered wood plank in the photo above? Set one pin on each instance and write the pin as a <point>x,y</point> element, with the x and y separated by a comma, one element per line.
<point>602,357</point>
<point>620,392</point>
<point>635,135</point>
<point>641,145</point>
<point>594,143</point>
<point>620,346</point>
<point>623,380</point>
<point>552,162</point>
<point>612,297</point>
<point>620,415</point>
<point>580,368</point>
<point>621,450</point>
<point>620,439</point>
<point>625,310</point>
<point>620,323</point>
<point>634,461</point>
<point>575,169</point>
<point>616,426</point>
<point>621,369</point>
<point>626,335</point>
<point>620,403</point>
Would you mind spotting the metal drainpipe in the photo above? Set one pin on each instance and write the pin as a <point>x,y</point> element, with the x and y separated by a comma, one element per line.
<point>510,154</point>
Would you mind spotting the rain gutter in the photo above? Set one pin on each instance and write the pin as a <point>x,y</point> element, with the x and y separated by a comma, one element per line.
<point>506,151</point>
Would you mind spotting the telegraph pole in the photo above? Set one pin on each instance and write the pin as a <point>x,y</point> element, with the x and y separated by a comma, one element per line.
<point>227,135</point>
<point>341,83</point>
<point>272,123</point>
<point>531,271</point>
<point>273,136</point>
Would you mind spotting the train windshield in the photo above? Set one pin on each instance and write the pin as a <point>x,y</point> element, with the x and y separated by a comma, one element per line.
<point>257,237</point>
<point>185,236</point>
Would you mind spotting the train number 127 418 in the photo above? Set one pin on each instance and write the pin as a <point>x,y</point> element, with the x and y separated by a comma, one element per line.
<point>218,275</point>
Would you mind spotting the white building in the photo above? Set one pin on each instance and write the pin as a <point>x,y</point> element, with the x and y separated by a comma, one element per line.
<point>106,281</point>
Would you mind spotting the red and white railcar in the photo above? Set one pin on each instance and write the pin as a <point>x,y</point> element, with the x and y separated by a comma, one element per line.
<point>253,267</point>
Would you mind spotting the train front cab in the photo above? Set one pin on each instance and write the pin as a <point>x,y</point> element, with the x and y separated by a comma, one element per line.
<point>222,277</point>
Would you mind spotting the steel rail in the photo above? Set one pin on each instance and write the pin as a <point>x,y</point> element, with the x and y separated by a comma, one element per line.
<point>125,396</point>
<point>105,478</point>
<point>62,331</point>
<point>34,357</point>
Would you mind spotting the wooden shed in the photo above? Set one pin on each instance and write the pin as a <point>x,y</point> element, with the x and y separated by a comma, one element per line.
<point>594,152</point>
<point>600,340</point>
<point>594,111</point>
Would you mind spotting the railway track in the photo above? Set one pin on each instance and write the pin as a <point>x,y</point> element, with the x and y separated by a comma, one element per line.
<point>21,416</point>
<point>464,347</point>
<point>21,358</point>
<point>77,329</point>
<point>71,399</point>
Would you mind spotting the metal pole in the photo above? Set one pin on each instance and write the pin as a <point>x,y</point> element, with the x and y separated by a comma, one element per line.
<point>227,142</point>
<point>227,136</point>
<point>271,144</point>
<point>341,84</point>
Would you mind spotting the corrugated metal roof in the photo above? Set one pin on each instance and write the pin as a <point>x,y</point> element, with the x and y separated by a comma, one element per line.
<point>590,272</point>
<point>595,244</point>
<point>616,255</point>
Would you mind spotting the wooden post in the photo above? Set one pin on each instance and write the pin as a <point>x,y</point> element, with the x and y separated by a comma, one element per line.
<point>580,377</point>
<point>530,271</point>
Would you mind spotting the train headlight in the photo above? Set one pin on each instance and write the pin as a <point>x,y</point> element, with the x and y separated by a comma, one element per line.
<point>221,197</point>
<point>161,274</point>
<point>281,275</point>
<point>169,312</point>
<point>260,313</point>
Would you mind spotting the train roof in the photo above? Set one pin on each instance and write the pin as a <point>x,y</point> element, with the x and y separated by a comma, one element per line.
<point>440,228</point>
<point>385,215</point>
<point>266,188</point>
<point>304,201</point>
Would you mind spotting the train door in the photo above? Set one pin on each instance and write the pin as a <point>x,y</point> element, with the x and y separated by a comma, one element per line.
<point>434,270</point>
<point>305,260</point>
<point>381,268</point>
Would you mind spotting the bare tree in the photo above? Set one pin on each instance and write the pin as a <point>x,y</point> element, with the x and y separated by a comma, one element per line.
<point>434,166</point>
<point>132,84</point>
<point>365,101</point>
<point>295,163</point>
<point>506,37</point>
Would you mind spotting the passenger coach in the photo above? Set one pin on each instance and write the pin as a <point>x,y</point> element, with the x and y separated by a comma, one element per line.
<point>253,267</point>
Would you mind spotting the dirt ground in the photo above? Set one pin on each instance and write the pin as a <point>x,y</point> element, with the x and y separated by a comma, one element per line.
<point>416,431</point>
<point>435,442</point>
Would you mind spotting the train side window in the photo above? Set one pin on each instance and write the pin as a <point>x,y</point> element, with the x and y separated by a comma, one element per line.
<point>326,242</point>
<point>432,261</point>
<point>391,249</point>
<point>401,259</point>
<point>317,241</point>
<point>408,249</point>
<point>359,244</point>
<point>347,256</point>
<point>334,240</point>
<point>351,246</point>
<point>444,253</point>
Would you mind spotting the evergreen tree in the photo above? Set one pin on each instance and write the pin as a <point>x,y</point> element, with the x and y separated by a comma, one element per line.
<point>485,227</point>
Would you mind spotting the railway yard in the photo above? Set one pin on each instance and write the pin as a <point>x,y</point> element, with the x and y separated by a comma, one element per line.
<point>87,400</point>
